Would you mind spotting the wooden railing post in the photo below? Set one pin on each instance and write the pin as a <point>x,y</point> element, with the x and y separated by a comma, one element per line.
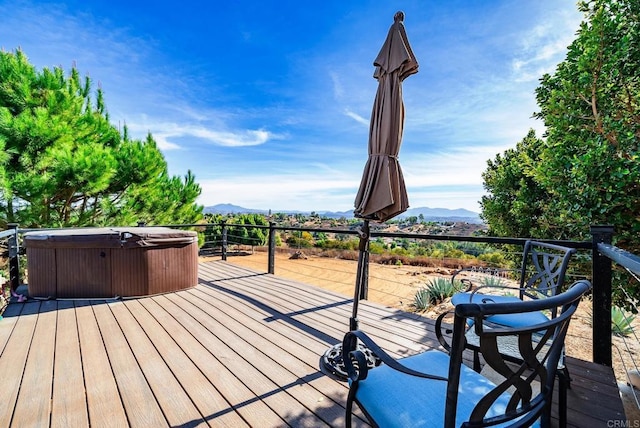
<point>601,278</point>
<point>272,249</point>
<point>224,240</point>
<point>14,257</point>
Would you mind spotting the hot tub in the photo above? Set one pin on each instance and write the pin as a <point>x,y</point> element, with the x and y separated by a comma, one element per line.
<point>110,262</point>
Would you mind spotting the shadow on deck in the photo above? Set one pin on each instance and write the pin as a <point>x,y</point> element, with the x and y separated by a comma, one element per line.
<point>240,349</point>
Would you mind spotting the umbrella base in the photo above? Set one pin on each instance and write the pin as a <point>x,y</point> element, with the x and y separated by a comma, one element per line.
<point>332,362</point>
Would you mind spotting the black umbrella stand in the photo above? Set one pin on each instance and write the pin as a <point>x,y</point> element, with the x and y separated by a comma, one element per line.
<point>331,361</point>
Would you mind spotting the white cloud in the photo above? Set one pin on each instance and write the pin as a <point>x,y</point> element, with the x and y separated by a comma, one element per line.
<point>163,143</point>
<point>356,117</point>
<point>459,166</point>
<point>467,198</point>
<point>230,139</point>
<point>310,192</point>
<point>164,133</point>
<point>447,179</point>
<point>545,45</point>
<point>338,90</point>
<point>299,191</point>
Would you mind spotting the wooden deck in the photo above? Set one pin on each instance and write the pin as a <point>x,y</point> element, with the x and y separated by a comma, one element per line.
<point>240,349</point>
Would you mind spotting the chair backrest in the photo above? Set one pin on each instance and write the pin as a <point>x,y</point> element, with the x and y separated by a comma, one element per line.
<point>543,269</point>
<point>523,393</point>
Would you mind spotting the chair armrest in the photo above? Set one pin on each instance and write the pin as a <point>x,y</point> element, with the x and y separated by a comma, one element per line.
<point>489,272</point>
<point>477,290</point>
<point>349,351</point>
<point>465,281</point>
<point>438,329</point>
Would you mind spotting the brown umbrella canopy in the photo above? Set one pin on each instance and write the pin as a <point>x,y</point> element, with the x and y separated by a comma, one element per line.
<point>382,193</point>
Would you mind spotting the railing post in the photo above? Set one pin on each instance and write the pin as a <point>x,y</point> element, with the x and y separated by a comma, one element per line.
<point>14,258</point>
<point>601,276</point>
<point>224,240</point>
<point>272,249</point>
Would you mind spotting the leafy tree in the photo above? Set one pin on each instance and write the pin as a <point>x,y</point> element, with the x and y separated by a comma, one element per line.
<point>585,170</point>
<point>591,107</point>
<point>238,232</point>
<point>515,200</point>
<point>65,164</point>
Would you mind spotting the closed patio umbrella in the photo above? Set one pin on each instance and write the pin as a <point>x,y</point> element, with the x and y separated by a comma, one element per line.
<point>382,194</point>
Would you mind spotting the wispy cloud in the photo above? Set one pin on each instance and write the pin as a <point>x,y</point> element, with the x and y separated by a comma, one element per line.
<point>450,166</point>
<point>545,45</point>
<point>356,117</point>
<point>166,134</point>
<point>338,90</point>
<point>303,191</point>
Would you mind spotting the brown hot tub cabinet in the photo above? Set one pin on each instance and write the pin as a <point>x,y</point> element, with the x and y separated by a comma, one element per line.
<point>110,262</point>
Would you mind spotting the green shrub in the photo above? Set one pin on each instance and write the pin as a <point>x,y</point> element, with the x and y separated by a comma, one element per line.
<point>377,248</point>
<point>493,259</point>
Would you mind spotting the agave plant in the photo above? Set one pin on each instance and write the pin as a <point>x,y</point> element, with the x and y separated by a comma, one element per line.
<point>435,292</point>
<point>621,322</point>
<point>492,281</point>
<point>421,299</point>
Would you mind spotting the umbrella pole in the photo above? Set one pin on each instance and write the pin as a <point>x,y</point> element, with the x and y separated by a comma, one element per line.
<point>331,361</point>
<point>362,274</point>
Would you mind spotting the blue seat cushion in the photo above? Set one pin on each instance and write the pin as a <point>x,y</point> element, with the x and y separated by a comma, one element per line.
<point>394,399</point>
<point>479,298</point>
<point>509,320</point>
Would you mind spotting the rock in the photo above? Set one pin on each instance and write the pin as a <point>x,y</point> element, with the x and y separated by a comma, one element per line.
<point>634,378</point>
<point>298,255</point>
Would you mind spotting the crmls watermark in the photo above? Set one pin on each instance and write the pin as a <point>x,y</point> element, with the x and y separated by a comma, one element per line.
<point>619,423</point>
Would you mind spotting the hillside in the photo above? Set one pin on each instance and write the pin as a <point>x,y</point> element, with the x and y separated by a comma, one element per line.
<point>428,214</point>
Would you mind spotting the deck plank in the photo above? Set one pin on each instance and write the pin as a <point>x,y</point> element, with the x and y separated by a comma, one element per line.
<point>279,337</point>
<point>11,315</point>
<point>104,404</point>
<point>292,374</point>
<point>203,394</point>
<point>242,348</point>
<point>175,403</point>
<point>140,405</point>
<point>242,364</point>
<point>323,318</point>
<point>69,399</point>
<point>13,360</point>
<point>191,336</point>
<point>30,409</point>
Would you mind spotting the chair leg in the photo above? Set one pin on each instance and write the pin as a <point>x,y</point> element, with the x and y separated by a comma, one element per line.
<point>351,396</point>
<point>476,361</point>
<point>565,372</point>
<point>347,415</point>
<point>563,384</point>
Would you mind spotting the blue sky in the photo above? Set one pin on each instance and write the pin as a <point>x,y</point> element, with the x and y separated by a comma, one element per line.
<point>268,102</point>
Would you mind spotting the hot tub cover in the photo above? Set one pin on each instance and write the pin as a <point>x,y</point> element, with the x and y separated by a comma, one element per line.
<point>116,237</point>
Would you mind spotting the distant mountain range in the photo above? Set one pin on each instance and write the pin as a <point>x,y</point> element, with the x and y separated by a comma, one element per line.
<point>429,214</point>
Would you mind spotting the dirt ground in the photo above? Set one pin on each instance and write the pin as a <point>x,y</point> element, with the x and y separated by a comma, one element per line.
<point>395,286</point>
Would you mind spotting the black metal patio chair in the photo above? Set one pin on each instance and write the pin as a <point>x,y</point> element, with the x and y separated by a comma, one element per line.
<point>434,388</point>
<point>541,275</point>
